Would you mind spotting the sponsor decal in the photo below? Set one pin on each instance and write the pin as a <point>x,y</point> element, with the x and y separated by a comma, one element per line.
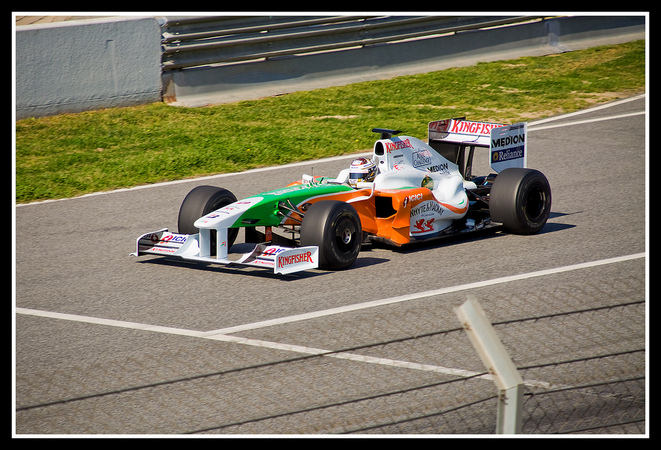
<point>286,190</point>
<point>508,147</point>
<point>506,155</point>
<point>157,249</point>
<point>168,238</point>
<point>398,145</point>
<point>440,126</point>
<point>466,127</point>
<point>423,226</point>
<point>230,209</point>
<point>272,251</point>
<point>426,209</point>
<point>261,262</point>
<point>284,261</point>
<point>421,158</point>
<point>440,168</point>
<point>224,210</point>
<point>411,198</point>
<point>508,140</point>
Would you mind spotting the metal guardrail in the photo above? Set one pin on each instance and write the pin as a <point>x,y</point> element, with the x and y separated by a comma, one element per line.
<point>198,41</point>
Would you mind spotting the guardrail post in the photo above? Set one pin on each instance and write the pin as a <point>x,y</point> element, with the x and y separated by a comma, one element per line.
<point>497,362</point>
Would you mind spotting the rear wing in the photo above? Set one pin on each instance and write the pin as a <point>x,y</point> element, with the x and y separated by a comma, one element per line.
<point>507,144</point>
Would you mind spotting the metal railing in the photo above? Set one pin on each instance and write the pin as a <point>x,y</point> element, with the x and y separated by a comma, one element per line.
<point>198,41</point>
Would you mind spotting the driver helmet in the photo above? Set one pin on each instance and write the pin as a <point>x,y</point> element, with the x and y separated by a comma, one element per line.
<point>362,169</point>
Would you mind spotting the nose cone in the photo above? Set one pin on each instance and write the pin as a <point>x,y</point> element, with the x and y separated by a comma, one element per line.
<point>228,215</point>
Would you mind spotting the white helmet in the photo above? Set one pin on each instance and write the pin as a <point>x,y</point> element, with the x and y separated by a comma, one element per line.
<point>362,169</point>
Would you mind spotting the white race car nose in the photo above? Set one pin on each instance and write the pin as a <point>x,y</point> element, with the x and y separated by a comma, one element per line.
<point>226,216</point>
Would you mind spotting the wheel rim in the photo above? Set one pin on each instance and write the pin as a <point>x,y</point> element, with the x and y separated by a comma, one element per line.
<point>345,235</point>
<point>535,203</point>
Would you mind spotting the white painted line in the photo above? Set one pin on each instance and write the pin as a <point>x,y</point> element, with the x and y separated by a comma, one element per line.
<point>587,111</point>
<point>344,355</point>
<point>251,342</point>
<point>107,322</point>
<point>581,122</point>
<point>223,334</point>
<point>218,335</point>
<point>419,295</point>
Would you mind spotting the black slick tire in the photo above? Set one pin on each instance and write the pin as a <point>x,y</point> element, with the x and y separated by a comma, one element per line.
<point>335,228</point>
<point>199,202</point>
<point>520,199</point>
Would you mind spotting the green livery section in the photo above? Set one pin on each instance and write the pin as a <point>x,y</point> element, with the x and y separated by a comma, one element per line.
<point>270,208</point>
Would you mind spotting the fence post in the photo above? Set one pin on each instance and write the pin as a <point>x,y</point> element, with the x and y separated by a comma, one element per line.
<point>497,362</point>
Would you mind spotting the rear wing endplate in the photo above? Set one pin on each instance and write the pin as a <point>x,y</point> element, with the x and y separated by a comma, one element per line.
<point>508,147</point>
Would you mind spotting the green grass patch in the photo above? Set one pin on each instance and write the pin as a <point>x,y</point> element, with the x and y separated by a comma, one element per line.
<point>73,154</point>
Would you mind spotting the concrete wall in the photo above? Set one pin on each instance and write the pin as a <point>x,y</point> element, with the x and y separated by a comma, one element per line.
<point>87,64</point>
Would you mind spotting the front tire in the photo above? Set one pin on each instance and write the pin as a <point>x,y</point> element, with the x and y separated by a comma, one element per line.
<point>520,199</point>
<point>199,202</point>
<point>335,228</point>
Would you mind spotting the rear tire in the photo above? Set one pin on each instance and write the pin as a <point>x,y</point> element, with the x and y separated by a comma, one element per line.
<point>520,199</point>
<point>335,228</point>
<point>201,201</point>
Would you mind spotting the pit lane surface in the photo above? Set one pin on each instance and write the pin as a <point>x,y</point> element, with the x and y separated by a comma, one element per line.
<point>89,314</point>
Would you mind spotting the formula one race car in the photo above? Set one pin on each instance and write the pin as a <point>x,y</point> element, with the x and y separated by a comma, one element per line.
<point>409,191</point>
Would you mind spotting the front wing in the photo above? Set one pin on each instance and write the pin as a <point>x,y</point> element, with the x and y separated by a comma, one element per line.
<point>281,260</point>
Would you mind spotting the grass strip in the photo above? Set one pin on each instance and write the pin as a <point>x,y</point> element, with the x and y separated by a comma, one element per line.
<point>74,154</point>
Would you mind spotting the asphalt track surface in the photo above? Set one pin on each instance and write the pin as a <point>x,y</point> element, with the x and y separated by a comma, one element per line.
<point>90,319</point>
